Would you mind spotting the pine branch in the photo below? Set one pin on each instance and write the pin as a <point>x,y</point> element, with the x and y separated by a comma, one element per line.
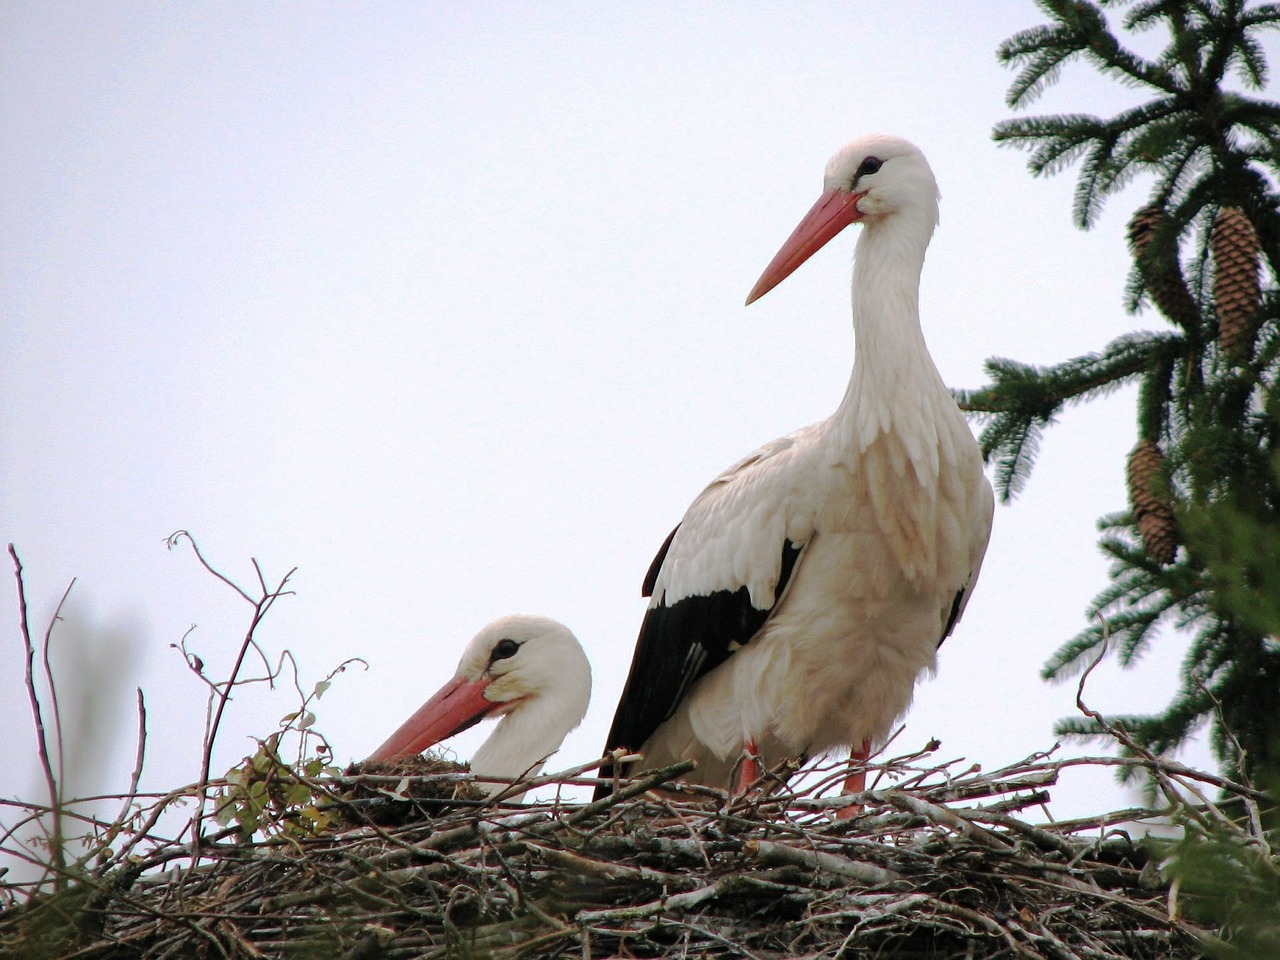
<point>1023,399</point>
<point>1044,51</point>
<point>1056,143</point>
<point>1189,117</point>
<point>1079,30</point>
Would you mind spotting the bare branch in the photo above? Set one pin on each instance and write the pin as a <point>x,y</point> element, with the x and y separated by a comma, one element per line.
<point>58,863</point>
<point>178,536</point>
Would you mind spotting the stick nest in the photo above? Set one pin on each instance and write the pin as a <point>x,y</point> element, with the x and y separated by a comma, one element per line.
<point>938,864</point>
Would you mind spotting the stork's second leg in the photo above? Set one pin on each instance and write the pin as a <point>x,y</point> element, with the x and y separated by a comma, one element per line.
<point>749,768</point>
<point>856,782</point>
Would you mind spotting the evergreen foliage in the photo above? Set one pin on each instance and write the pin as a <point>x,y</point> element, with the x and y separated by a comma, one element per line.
<point>1199,547</point>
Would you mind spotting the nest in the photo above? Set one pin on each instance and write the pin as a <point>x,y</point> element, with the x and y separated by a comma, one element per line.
<point>937,863</point>
<point>404,790</point>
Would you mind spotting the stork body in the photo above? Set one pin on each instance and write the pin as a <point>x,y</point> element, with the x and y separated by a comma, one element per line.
<point>531,672</point>
<point>809,585</point>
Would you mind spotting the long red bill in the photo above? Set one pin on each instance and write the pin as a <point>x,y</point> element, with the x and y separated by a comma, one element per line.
<point>459,704</point>
<point>834,211</point>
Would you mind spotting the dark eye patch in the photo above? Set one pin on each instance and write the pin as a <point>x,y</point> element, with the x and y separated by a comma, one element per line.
<point>503,650</point>
<point>867,166</point>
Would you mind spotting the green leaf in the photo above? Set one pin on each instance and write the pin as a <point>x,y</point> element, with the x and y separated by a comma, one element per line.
<point>296,794</point>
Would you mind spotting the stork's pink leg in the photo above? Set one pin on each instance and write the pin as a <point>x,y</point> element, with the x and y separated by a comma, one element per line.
<point>749,768</point>
<point>856,782</point>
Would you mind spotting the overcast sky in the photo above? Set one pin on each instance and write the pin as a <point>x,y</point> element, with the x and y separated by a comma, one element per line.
<point>442,305</point>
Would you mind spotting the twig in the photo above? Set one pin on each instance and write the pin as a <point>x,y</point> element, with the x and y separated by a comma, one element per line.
<point>631,789</point>
<point>1158,778</point>
<point>260,609</point>
<point>117,826</point>
<point>58,864</point>
<point>776,854</point>
<point>178,536</point>
<point>54,705</point>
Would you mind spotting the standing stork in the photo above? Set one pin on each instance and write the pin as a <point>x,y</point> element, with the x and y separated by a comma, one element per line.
<point>809,585</point>
<point>531,672</point>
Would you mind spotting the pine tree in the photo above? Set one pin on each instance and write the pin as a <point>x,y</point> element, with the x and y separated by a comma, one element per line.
<point>1199,546</point>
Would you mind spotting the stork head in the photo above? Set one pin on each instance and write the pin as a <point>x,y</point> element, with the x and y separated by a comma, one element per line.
<point>874,179</point>
<point>526,664</point>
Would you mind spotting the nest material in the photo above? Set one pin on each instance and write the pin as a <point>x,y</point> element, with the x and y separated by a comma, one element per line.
<point>935,866</point>
<point>404,790</point>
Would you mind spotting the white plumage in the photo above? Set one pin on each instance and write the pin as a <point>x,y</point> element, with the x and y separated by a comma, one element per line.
<point>809,585</point>
<point>531,672</point>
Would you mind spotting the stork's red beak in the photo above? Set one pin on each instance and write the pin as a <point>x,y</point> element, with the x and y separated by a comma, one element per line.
<point>834,211</point>
<point>459,704</point>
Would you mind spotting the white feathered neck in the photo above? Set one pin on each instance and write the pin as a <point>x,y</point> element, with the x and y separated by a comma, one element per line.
<point>898,421</point>
<point>531,731</point>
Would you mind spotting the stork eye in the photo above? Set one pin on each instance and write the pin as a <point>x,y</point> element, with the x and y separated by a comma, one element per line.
<point>867,166</point>
<point>504,649</point>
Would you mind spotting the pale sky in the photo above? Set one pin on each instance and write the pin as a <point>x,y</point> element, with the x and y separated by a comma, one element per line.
<point>442,304</point>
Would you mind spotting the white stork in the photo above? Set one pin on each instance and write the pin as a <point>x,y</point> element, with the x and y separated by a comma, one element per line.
<point>810,584</point>
<point>532,672</point>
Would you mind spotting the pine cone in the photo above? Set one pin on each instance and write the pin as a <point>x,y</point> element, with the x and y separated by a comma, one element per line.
<point>1163,275</point>
<point>1153,515</point>
<point>1141,228</point>
<point>1236,291</point>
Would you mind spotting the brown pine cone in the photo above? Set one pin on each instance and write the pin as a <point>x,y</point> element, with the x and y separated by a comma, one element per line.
<point>1141,228</point>
<point>1163,275</point>
<point>1153,515</point>
<point>1236,290</point>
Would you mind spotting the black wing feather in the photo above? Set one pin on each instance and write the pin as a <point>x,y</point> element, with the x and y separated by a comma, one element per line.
<point>651,577</point>
<point>953,616</point>
<point>679,644</point>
